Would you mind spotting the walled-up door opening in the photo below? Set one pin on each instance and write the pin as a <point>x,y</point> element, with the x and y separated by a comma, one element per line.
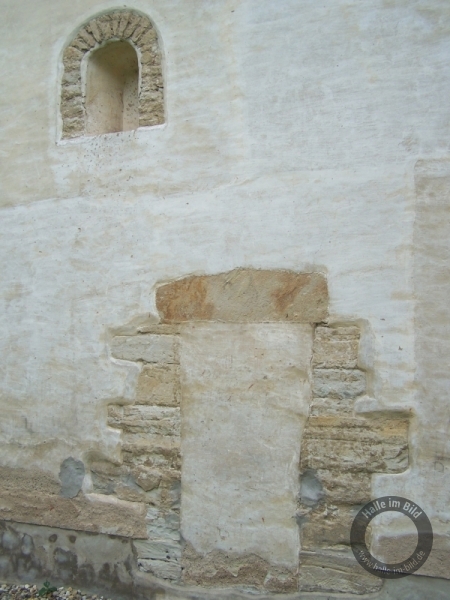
<point>112,86</point>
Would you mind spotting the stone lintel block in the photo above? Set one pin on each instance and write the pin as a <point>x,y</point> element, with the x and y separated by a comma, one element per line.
<point>336,347</point>
<point>147,348</point>
<point>155,420</point>
<point>245,296</point>
<point>333,571</point>
<point>338,383</point>
<point>158,385</point>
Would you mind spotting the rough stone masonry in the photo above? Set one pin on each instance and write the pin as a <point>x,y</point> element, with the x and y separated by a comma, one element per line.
<point>242,456</point>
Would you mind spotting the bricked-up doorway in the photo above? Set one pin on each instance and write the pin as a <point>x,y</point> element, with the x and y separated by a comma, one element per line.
<point>225,384</point>
<point>244,428</point>
<point>245,397</point>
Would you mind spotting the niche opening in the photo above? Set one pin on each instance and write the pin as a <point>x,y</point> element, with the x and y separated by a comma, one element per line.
<point>112,89</point>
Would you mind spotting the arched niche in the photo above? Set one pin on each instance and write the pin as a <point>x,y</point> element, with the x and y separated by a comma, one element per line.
<point>116,55</point>
<point>112,89</point>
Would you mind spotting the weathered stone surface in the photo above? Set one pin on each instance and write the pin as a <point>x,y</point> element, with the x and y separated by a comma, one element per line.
<point>102,564</point>
<point>155,420</point>
<point>163,569</point>
<point>354,456</point>
<point>115,415</point>
<point>344,487</point>
<point>398,547</point>
<point>338,383</point>
<point>323,571</point>
<point>327,526</point>
<point>336,347</point>
<point>91,512</point>
<point>71,476</point>
<point>158,385</point>
<point>332,406</point>
<point>160,452</point>
<point>147,479</point>
<point>161,553</point>
<point>148,348</point>
<point>228,568</point>
<point>245,296</point>
<point>245,393</point>
<point>339,453</point>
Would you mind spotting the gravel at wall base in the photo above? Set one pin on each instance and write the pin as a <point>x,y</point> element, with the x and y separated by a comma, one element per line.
<point>31,592</point>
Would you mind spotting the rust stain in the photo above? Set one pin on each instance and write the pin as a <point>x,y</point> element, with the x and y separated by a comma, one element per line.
<point>184,300</point>
<point>245,296</point>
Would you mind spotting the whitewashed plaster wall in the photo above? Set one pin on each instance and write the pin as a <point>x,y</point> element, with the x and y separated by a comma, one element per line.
<point>292,133</point>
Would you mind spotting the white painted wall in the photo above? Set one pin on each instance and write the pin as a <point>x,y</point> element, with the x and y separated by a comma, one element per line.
<point>291,137</point>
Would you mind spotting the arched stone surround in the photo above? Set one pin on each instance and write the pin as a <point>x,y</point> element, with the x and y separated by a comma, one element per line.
<point>118,25</point>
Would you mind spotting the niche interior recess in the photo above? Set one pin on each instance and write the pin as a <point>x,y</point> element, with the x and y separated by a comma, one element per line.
<point>123,84</point>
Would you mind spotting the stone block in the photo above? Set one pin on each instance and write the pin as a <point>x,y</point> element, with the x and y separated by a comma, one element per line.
<point>344,487</point>
<point>245,296</point>
<point>327,526</point>
<point>159,549</point>
<point>355,444</point>
<point>155,420</point>
<point>158,385</point>
<point>163,569</point>
<point>338,383</point>
<point>354,456</point>
<point>91,512</point>
<point>153,451</point>
<point>163,524</point>
<point>131,25</point>
<point>331,406</point>
<point>124,20</point>
<point>147,348</point>
<point>147,479</point>
<point>336,347</point>
<point>227,568</point>
<point>336,572</point>
<point>130,493</point>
